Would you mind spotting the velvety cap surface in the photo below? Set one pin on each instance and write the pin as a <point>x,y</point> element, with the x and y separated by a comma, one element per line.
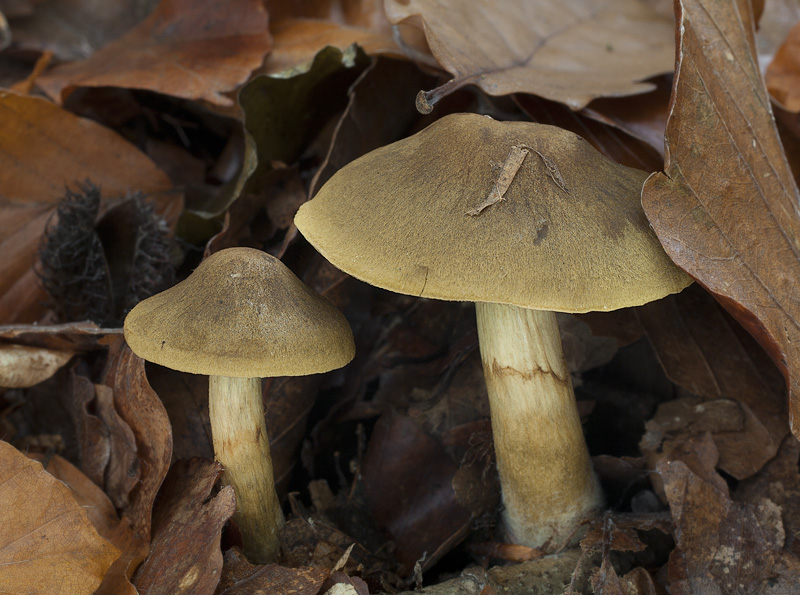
<point>422,217</point>
<point>241,313</point>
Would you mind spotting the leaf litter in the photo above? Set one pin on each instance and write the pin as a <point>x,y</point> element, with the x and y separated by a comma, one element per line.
<point>711,485</point>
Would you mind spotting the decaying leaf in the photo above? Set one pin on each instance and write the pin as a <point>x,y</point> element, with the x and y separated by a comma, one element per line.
<point>93,500</point>
<point>185,555</point>
<point>727,210</point>
<point>570,52</point>
<point>408,483</point>
<point>741,395</point>
<point>139,407</point>
<point>48,544</point>
<point>721,546</point>
<point>22,366</point>
<point>182,49</point>
<point>239,577</point>
<point>298,40</point>
<point>779,482</point>
<point>783,73</point>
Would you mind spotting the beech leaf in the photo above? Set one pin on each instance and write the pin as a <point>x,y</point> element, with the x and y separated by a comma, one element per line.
<point>570,52</point>
<point>727,209</point>
<point>185,48</point>
<point>48,544</point>
<point>22,366</point>
<point>783,73</point>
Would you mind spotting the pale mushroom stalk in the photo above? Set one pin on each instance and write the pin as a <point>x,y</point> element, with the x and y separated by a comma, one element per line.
<point>241,445</point>
<point>542,460</point>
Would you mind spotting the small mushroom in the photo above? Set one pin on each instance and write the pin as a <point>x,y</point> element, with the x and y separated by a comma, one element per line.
<point>526,220</point>
<point>239,317</point>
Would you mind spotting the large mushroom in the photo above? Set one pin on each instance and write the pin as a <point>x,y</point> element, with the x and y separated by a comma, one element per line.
<point>525,220</point>
<point>239,317</point>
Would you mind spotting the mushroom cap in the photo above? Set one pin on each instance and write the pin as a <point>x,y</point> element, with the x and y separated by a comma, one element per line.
<point>242,314</point>
<point>569,234</point>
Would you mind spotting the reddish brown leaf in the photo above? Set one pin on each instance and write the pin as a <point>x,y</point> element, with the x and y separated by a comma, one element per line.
<point>298,40</point>
<point>91,498</point>
<point>783,73</point>
<point>107,448</point>
<point>408,483</point>
<point>139,407</point>
<point>568,52</point>
<point>185,397</point>
<point>643,116</point>
<point>185,48</point>
<point>727,209</point>
<point>704,351</point>
<point>185,554</point>
<point>744,443</point>
<point>721,546</point>
<point>76,149</point>
<point>46,539</point>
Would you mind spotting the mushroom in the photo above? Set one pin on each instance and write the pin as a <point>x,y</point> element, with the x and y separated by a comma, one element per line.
<point>239,317</point>
<point>525,220</point>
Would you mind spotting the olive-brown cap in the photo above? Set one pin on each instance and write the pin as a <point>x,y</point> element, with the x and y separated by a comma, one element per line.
<point>473,209</point>
<point>243,314</point>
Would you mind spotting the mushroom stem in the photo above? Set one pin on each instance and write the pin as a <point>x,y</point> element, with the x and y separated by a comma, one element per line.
<point>546,475</point>
<point>241,444</point>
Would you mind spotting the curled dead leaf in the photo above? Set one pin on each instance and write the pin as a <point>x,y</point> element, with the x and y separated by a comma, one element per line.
<point>184,48</point>
<point>22,366</point>
<point>47,544</point>
<point>570,52</point>
<point>726,208</point>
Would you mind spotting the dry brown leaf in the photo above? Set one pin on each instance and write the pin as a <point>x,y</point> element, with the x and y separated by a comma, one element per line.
<point>101,513</point>
<point>185,48</point>
<point>707,353</point>
<point>22,366</point>
<point>727,209</point>
<point>185,554</point>
<point>721,546</point>
<point>643,116</point>
<point>408,484</point>
<point>779,482</point>
<point>31,185</point>
<point>298,40</point>
<point>570,52</point>
<point>140,408</point>
<point>47,544</point>
<point>98,507</point>
<point>783,73</point>
<point>367,14</point>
